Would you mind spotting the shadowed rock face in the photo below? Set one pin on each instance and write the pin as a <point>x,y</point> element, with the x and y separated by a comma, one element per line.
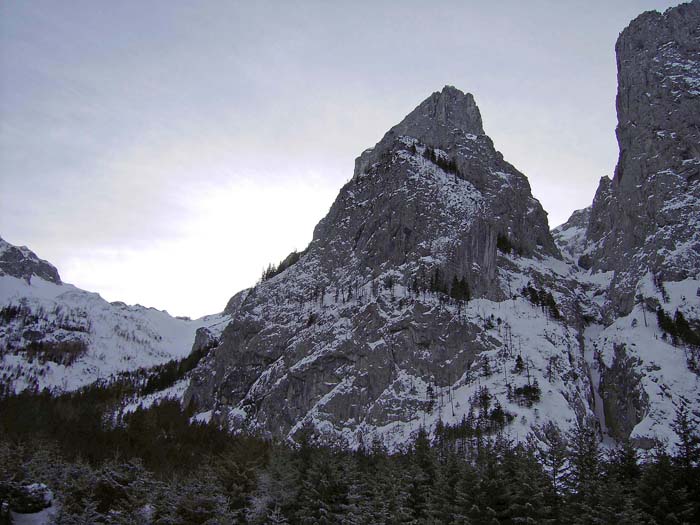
<point>21,262</point>
<point>342,328</point>
<point>648,217</point>
<point>625,401</point>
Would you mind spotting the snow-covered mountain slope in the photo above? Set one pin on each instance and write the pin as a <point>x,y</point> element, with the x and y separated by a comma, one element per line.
<point>643,374</point>
<point>56,336</point>
<point>640,372</point>
<point>571,236</point>
<point>433,291</point>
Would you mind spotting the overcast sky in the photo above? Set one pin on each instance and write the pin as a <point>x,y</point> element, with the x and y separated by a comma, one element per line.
<point>163,152</point>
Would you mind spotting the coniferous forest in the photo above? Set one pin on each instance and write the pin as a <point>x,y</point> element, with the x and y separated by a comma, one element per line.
<point>155,466</point>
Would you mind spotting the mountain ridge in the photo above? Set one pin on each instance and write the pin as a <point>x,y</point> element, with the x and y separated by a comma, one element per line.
<point>57,337</point>
<point>434,293</point>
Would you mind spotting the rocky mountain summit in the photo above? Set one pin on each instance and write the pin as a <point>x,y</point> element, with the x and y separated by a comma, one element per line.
<point>402,309</point>
<point>434,293</point>
<point>22,263</point>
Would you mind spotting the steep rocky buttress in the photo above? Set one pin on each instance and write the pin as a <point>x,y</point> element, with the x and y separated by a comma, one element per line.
<point>647,219</point>
<point>371,332</point>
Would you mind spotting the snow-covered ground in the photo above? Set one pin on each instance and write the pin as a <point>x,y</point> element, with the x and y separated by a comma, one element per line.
<point>117,337</point>
<point>662,366</point>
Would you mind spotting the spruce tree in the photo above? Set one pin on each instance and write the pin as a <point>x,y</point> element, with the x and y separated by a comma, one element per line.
<point>583,479</point>
<point>621,474</point>
<point>687,457</point>
<point>277,486</point>
<point>658,493</point>
<point>76,499</point>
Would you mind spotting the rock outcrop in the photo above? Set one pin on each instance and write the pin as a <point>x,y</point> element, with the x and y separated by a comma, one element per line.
<point>21,262</point>
<point>571,236</point>
<point>625,402</point>
<point>647,219</point>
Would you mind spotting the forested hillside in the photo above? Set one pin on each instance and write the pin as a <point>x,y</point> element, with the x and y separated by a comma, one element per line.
<point>158,466</point>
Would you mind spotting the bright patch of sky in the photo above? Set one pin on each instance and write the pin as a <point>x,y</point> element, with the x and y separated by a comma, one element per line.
<point>164,152</point>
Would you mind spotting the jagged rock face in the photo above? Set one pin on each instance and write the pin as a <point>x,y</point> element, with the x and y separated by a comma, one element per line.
<point>21,262</point>
<point>658,61</point>
<point>234,304</point>
<point>342,339</point>
<point>450,121</point>
<point>641,249</point>
<point>392,216</point>
<point>648,217</point>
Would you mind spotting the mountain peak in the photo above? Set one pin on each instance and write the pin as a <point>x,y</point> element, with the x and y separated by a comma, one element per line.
<point>449,108</point>
<point>447,119</point>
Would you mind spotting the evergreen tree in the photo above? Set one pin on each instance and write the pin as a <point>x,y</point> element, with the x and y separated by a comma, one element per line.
<point>550,447</point>
<point>198,500</point>
<point>459,289</point>
<point>423,468</point>
<point>448,504</point>
<point>492,499</point>
<point>122,487</point>
<point>658,493</point>
<point>277,487</point>
<point>583,479</point>
<point>687,457</point>
<point>358,507</point>
<point>519,364</point>
<point>621,474</point>
<point>76,499</point>
<point>531,496</point>
<point>666,323</point>
<point>322,494</point>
